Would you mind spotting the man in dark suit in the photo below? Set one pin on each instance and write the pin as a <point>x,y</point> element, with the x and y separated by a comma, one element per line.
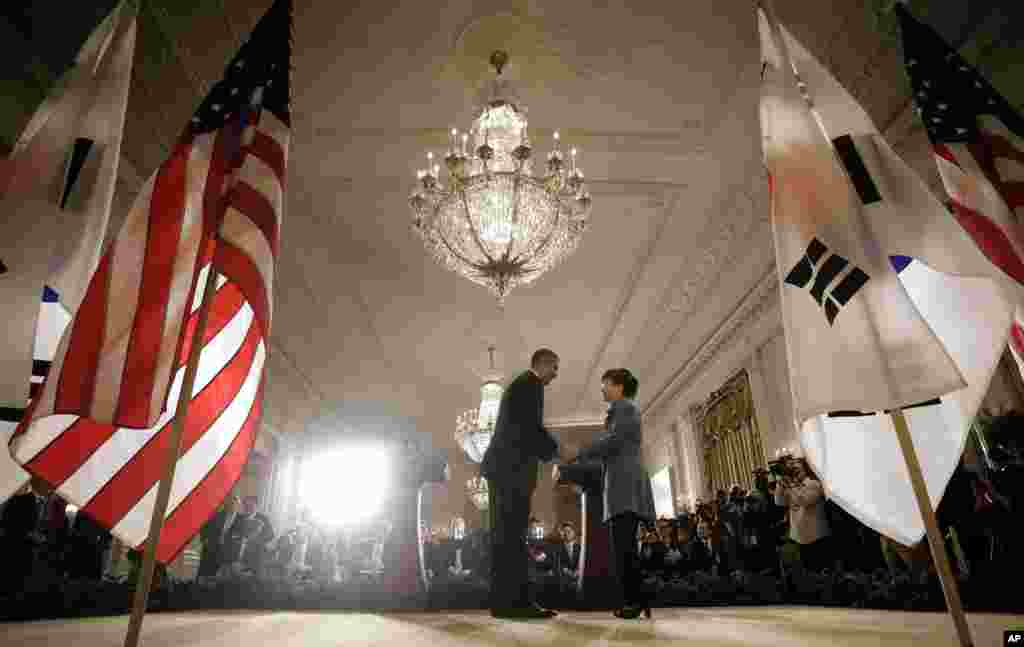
<point>249,536</point>
<point>89,542</point>
<point>510,466</point>
<point>568,557</point>
<point>214,535</point>
<point>19,521</point>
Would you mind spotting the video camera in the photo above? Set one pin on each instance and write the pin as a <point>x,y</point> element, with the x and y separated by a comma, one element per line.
<point>782,467</point>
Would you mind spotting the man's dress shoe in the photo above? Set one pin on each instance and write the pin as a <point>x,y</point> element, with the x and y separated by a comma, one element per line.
<point>551,611</point>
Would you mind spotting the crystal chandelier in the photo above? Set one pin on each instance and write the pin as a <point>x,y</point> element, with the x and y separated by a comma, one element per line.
<point>495,222</point>
<point>475,428</point>
<point>477,489</point>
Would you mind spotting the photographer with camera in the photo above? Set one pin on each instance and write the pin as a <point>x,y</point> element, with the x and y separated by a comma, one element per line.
<point>802,493</point>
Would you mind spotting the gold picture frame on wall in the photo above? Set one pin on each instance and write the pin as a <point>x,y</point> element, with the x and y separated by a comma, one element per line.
<point>731,440</point>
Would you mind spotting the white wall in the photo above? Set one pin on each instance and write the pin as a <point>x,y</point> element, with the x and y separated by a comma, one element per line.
<point>773,401</point>
<point>759,347</point>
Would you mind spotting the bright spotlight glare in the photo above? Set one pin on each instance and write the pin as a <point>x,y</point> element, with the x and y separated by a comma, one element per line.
<point>346,486</point>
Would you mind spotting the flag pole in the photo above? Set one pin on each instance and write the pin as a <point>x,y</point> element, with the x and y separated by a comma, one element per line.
<point>938,547</point>
<point>163,494</point>
<point>931,525</point>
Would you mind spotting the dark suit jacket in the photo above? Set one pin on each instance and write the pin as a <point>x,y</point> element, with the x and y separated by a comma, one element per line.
<point>520,440</point>
<point>569,560</point>
<point>257,530</point>
<point>20,516</point>
<point>697,555</point>
<point>213,529</point>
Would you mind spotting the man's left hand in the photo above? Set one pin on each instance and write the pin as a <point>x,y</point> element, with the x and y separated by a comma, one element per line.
<point>556,473</point>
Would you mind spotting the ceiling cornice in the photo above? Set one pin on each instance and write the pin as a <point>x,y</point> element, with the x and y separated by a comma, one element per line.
<point>718,249</point>
<point>636,275</point>
<point>761,298</point>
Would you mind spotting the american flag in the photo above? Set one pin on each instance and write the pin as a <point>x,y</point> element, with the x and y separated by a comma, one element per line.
<point>978,139</point>
<point>99,430</point>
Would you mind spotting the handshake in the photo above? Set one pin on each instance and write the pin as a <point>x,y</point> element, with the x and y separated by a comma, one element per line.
<point>563,459</point>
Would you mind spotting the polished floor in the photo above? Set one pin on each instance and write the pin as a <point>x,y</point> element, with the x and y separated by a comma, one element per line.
<point>768,626</point>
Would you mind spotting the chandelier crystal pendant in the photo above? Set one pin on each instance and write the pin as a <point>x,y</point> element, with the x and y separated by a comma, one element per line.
<point>495,221</point>
<point>475,428</point>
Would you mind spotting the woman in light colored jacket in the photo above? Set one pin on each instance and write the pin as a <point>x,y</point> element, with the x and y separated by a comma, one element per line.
<point>627,494</point>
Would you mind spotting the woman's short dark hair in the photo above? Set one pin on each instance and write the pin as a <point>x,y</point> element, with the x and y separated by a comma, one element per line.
<point>621,376</point>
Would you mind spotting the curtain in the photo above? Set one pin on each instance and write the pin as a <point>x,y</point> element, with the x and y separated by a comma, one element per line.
<point>730,436</point>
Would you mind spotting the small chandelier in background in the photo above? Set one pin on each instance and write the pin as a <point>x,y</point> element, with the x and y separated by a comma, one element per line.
<point>478,493</point>
<point>475,428</point>
<point>495,222</point>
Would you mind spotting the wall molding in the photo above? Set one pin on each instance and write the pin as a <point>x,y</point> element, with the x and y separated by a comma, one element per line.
<point>759,300</point>
<point>744,219</point>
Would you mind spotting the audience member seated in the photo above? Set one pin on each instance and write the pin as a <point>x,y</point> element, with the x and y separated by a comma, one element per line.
<point>282,555</point>
<point>695,553</point>
<point>55,529</point>
<point>321,555</point>
<point>18,537</point>
<point>705,535</point>
<point>214,535</point>
<point>87,548</point>
<point>439,553</point>
<point>540,550</point>
<point>476,553</point>
<point>651,551</point>
<point>248,538</point>
<point>759,541</point>
<point>568,552</point>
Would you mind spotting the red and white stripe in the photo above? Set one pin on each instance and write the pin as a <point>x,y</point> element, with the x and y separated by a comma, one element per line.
<point>114,364</point>
<point>112,471</point>
<point>985,182</point>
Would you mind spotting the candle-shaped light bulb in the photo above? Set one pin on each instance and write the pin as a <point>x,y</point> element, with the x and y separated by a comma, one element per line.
<point>465,138</point>
<point>420,173</point>
<point>556,139</point>
<point>437,170</point>
<point>430,157</point>
<point>572,153</point>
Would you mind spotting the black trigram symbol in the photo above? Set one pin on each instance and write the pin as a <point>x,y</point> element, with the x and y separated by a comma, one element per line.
<point>76,162</point>
<point>823,274</point>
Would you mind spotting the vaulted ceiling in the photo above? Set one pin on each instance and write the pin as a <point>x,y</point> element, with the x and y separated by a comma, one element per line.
<point>370,335</point>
